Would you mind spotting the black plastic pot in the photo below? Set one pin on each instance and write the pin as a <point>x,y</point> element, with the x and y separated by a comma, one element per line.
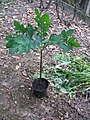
<point>39,87</point>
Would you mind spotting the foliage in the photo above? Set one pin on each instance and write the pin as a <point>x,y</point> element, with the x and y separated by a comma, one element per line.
<point>29,37</point>
<point>64,40</point>
<point>70,75</point>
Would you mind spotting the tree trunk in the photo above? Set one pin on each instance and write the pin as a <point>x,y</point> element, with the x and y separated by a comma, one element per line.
<point>41,64</point>
<point>88,8</point>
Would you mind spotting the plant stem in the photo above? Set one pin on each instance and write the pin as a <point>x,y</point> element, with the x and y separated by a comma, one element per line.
<point>41,64</point>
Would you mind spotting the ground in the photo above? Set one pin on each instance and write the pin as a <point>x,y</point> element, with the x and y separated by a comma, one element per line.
<point>16,99</point>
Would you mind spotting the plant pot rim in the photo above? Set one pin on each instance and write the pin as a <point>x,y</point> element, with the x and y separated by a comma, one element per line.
<point>40,90</point>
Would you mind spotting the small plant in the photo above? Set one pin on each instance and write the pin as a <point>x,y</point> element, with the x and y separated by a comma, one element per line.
<point>70,75</point>
<point>37,38</point>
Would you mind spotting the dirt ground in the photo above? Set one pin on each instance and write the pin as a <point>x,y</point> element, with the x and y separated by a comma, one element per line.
<point>16,99</point>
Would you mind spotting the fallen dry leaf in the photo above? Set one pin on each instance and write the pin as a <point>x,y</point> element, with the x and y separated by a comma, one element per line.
<point>15,57</point>
<point>18,66</point>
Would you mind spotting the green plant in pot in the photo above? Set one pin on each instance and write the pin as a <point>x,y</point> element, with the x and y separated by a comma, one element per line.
<point>37,38</point>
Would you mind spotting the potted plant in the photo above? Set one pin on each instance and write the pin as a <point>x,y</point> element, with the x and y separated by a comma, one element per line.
<point>37,38</point>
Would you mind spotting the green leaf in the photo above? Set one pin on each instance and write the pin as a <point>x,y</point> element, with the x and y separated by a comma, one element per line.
<point>27,48</point>
<point>66,34</point>
<point>75,44</point>
<point>19,39</point>
<point>37,19</point>
<point>19,44</point>
<point>32,44</point>
<point>22,28</point>
<point>9,38</point>
<point>71,39</point>
<point>26,40</point>
<point>54,39</point>
<point>22,39</point>
<point>45,19</point>
<point>70,46</point>
<point>37,12</point>
<point>65,47</point>
<point>72,42</point>
<point>30,31</point>
<point>69,32</point>
<point>38,16</point>
<point>13,50</point>
<point>51,39</point>
<point>38,38</point>
<point>45,41</point>
<point>19,27</point>
<point>10,44</point>
<point>63,35</point>
<point>20,49</point>
<point>45,22</point>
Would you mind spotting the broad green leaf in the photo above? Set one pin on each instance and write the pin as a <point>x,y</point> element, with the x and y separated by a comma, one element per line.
<point>72,42</point>
<point>75,44</point>
<point>17,25</point>
<point>69,32</point>
<point>66,34</point>
<point>19,44</point>
<point>60,44</point>
<point>22,28</point>
<point>9,44</point>
<point>20,49</point>
<point>71,39</point>
<point>54,39</point>
<point>65,47</point>
<point>45,19</point>
<point>45,22</point>
<point>38,16</point>
<point>9,38</point>
<point>37,12</point>
<point>63,35</point>
<point>13,50</point>
<point>70,46</point>
<point>45,41</point>
<point>38,39</point>
<point>51,39</point>
<point>32,44</point>
<point>26,40</point>
<point>30,31</point>
<point>19,39</point>
<point>37,20</point>
<point>22,39</point>
<point>27,48</point>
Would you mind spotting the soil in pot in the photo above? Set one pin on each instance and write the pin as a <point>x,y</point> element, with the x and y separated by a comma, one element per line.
<point>40,86</point>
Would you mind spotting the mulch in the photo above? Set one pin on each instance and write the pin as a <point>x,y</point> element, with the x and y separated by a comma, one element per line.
<point>16,99</point>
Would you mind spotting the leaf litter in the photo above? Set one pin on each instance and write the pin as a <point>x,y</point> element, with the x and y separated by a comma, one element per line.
<point>16,99</point>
